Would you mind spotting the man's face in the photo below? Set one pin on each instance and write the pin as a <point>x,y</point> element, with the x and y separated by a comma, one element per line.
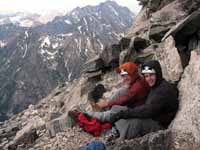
<point>126,79</point>
<point>150,78</point>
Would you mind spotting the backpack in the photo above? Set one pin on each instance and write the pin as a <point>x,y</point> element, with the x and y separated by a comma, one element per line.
<point>92,125</point>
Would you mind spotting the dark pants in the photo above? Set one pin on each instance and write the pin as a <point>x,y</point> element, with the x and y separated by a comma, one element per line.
<point>132,128</point>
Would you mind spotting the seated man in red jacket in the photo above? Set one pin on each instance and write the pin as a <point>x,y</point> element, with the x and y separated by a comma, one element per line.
<point>134,95</point>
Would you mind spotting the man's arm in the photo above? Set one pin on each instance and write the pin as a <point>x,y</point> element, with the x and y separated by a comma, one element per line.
<point>145,111</point>
<point>131,93</point>
<point>152,108</point>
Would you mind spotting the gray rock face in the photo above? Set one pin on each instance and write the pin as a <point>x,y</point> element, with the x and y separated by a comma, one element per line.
<point>169,58</point>
<point>186,124</point>
<point>94,64</point>
<point>179,55</point>
<point>153,141</point>
<point>154,25</point>
<point>186,35</point>
<point>189,25</point>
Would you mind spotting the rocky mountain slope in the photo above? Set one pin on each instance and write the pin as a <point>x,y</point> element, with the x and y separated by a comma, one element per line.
<point>33,61</point>
<point>27,129</point>
<point>167,31</point>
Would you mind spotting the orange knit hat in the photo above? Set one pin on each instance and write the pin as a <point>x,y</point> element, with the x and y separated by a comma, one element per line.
<point>129,67</point>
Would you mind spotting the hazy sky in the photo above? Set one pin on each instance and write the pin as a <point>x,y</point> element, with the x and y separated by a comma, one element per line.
<point>43,6</point>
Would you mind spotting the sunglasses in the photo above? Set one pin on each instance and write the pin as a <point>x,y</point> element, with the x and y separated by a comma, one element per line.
<point>123,72</point>
<point>123,75</point>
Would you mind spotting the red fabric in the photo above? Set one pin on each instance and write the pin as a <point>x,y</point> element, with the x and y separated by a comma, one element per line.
<point>92,125</point>
<point>135,95</point>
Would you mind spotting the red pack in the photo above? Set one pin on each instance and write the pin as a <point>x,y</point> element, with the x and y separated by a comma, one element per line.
<point>92,125</point>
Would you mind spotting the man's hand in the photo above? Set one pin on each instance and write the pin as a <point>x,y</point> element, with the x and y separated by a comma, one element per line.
<point>103,103</point>
<point>120,115</point>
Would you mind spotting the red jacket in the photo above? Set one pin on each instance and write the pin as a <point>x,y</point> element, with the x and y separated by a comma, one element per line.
<point>135,95</point>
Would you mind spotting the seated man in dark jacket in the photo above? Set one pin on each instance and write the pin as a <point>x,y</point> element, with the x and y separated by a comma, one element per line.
<point>157,112</point>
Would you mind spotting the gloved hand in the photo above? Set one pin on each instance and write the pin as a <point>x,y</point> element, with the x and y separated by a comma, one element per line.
<point>87,116</point>
<point>123,114</point>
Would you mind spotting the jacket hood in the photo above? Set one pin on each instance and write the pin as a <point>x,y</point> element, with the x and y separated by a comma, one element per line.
<point>129,67</point>
<point>154,64</point>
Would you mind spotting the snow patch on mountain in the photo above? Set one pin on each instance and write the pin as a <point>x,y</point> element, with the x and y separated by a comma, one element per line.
<point>25,51</point>
<point>46,42</point>
<point>2,21</point>
<point>86,24</point>
<point>86,52</point>
<point>90,18</point>
<point>69,34</point>
<point>26,34</point>
<point>115,12</point>
<point>44,51</point>
<point>101,45</point>
<point>48,51</point>
<point>75,15</point>
<point>53,65</point>
<point>79,28</point>
<point>64,35</point>
<point>79,45</point>
<point>18,69</point>
<point>55,45</point>
<point>68,22</point>
<point>26,23</point>
<point>69,76</point>
<point>15,19</point>
<point>2,44</point>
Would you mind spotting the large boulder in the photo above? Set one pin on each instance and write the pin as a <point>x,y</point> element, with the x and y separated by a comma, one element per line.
<point>169,58</point>
<point>154,24</point>
<point>131,52</point>
<point>162,20</point>
<point>186,27</point>
<point>110,55</point>
<point>186,125</point>
<point>93,65</point>
<point>28,134</point>
<point>186,35</point>
<point>59,124</point>
<point>152,141</point>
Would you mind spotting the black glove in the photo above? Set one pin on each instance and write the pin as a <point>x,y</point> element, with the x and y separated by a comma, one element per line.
<point>123,114</point>
<point>87,116</point>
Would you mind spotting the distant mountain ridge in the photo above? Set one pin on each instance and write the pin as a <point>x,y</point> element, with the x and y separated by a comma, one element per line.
<point>27,19</point>
<point>33,61</point>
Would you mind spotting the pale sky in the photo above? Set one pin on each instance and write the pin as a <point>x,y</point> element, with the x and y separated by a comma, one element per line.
<point>44,6</point>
